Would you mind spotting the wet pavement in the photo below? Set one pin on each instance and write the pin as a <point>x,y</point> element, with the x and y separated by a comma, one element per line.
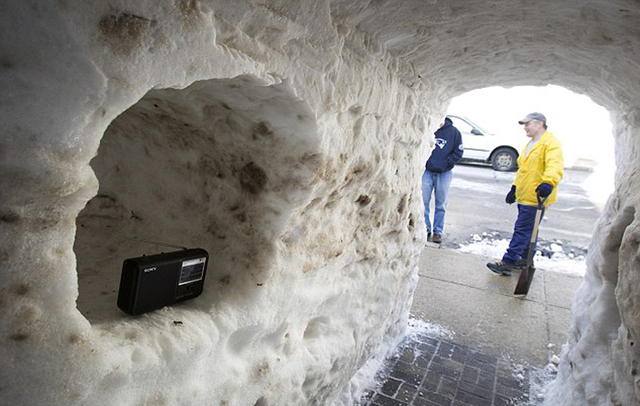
<point>500,346</point>
<point>433,372</point>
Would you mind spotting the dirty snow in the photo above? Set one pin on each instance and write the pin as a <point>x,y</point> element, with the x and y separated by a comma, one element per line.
<point>295,134</point>
<point>550,256</point>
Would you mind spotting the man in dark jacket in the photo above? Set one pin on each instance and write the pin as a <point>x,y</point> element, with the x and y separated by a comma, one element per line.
<point>437,176</point>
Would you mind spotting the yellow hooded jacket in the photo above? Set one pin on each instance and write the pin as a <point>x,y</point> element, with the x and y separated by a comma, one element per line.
<point>544,164</point>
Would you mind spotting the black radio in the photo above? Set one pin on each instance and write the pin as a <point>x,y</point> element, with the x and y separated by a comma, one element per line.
<point>151,282</point>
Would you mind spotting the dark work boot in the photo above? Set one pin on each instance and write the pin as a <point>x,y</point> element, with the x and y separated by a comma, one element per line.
<point>521,264</point>
<point>501,268</point>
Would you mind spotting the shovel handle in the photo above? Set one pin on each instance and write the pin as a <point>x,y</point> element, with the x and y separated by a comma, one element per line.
<point>524,281</point>
<point>541,200</point>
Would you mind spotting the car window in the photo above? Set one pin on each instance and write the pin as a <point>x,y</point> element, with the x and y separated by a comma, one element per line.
<point>462,125</point>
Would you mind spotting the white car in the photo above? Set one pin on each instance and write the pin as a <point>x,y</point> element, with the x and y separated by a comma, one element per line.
<point>482,146</point>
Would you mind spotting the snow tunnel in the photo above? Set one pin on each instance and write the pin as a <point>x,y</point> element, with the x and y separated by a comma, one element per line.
<point>305,190</point>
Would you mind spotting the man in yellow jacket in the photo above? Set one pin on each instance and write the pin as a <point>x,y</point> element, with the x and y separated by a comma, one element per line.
<point>540,169</point>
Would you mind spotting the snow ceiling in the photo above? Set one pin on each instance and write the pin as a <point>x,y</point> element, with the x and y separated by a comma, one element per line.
<point>287,139</point>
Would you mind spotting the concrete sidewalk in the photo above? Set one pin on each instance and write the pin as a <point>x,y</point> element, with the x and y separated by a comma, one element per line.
<point>458,292</point>
<point>500,343</point>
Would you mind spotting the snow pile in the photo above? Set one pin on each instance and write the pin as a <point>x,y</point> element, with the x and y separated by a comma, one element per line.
<point>287,139</point>
<point>551,256</point>
<point>128,122</point>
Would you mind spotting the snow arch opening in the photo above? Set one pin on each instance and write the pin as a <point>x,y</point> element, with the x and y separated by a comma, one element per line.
<point>219,165</point>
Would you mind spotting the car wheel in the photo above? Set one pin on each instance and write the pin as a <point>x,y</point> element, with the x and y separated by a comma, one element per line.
<point>504,160</point>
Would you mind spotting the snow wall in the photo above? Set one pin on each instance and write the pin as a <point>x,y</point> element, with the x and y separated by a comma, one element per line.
<point>287,139</point>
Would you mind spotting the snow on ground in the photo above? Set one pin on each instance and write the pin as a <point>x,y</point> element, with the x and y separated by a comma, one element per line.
<point>538,381</point>
<point>554,256</point>
<point>417,328</point>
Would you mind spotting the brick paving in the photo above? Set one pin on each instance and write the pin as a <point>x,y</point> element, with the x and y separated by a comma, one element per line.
<point>429,371</point>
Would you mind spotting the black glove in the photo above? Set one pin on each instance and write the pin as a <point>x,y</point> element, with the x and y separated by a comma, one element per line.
<point>511,196</point>
<point>544,190</point>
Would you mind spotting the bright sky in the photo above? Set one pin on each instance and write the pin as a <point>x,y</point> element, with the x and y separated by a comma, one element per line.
<point>583,127</point>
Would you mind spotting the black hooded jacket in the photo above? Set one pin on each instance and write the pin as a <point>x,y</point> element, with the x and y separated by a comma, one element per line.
<point>448,149</point>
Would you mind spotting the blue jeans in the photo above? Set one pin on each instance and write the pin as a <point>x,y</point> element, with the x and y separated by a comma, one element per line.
<point>438,183</point>
<point>519,245</point>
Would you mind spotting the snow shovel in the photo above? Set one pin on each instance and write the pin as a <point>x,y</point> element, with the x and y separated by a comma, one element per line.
<point>526,276</point>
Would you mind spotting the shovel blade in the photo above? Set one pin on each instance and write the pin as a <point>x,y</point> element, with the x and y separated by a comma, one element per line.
<point>524,281</point>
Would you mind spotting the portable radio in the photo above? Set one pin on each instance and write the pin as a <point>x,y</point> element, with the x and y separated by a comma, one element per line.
<point>151,282</point>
